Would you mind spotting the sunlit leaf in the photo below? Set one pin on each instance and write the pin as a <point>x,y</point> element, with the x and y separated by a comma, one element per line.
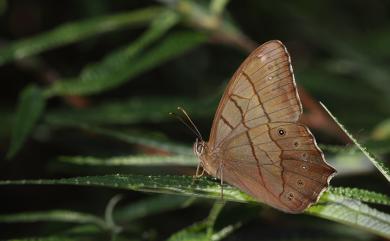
<point>331,206</point>
<point>139,160</point>
<point>361,195</point>
<point>379,164</point>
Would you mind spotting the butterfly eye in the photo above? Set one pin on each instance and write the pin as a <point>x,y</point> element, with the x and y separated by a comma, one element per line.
<point>281,132</point>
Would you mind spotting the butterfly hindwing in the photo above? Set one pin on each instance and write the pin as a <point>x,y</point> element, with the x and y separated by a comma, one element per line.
<point>277,163</point>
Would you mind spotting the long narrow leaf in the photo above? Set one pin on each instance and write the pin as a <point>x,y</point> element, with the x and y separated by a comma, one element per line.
<point>331,206</point>
<point>134,110</point>
<point>361,195</point>
<point>111,77</point>
<point>139,160</point>
<point>72,32</point>
<point>150,206</point>
<point>30,107</point>
<point>144,139</point>
<point>202,230</point>
<point>379,164</point>
<point>67,216</point>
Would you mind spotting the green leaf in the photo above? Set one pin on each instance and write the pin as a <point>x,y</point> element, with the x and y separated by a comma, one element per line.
<point>66,216</point>
<point>184,185</point>
<point>73,32</point>
<point>217,6</point>
<point>331,206</point>
<point>51,238</point>
<point>140,138</point>
<point>150,206</point>
<point>124,65</point>
<point>30,107</point>
<point>138,160</point>
<point>202,230</point>
<point>118,66</point>
<point>361,195</point>
<point>382,130</point>
<point>133,110</point>
<point>3,6</point>
<point>353,213</point>
<point>379,164</point>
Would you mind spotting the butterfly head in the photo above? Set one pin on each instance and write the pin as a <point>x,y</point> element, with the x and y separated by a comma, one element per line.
<point>199,148</point>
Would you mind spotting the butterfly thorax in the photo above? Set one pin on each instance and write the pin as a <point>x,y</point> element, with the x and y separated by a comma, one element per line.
<point>207,156</point>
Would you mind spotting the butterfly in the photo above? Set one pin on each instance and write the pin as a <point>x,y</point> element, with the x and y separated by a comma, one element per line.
<point>257,143</point>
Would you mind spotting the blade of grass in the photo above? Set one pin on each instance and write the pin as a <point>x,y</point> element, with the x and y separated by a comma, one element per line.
<point>136,137</point>
<point>73,32</point>
<point>66,216</point>
<point>331,206</point>
<point>361,195</point>
<point>134,110</point>
<point>201,230</point>
<point>150,206</point>
<point>30,107</point>
<point>109,78</point>
<point>379,164</point>
<point>353,213</point>
<point>50,238</point>
<point>118,66</point>
<point>139,160</point>
<point>141,139</point>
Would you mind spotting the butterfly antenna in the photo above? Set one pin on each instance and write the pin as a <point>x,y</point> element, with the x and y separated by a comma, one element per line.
<point>186,124</point>
<point>192,123</point>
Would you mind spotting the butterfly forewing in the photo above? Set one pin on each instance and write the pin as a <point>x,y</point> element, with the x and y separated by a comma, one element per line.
<point>261,91</point>
<point>256,143</point>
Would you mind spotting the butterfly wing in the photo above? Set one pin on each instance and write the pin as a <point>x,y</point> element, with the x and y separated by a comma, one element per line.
<point>261,91</point>
<point>278,164</point>
<point>260,146</point>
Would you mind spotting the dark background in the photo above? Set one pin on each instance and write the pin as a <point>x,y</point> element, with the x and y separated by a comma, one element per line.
<point>340,52</point>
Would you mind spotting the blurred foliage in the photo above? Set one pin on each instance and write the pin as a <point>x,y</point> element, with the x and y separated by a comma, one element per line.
<point>88,85</point>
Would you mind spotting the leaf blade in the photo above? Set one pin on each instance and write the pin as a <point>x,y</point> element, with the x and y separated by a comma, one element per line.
<point>374,221</point>
<point>379,164</point>
<point>30,107</point>
<point>76,31</point>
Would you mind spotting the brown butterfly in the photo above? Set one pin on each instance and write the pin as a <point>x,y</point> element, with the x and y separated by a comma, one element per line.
<point>256,142</point>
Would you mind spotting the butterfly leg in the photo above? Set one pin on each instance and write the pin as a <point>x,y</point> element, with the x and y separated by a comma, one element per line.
<point>197,175</point>
<point>220,172</point>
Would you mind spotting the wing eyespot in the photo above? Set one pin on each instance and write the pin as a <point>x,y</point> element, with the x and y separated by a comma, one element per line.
<point>300,183</point>
<point>296,144</point>
<point>281,132</point>
<point>290,196</point>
